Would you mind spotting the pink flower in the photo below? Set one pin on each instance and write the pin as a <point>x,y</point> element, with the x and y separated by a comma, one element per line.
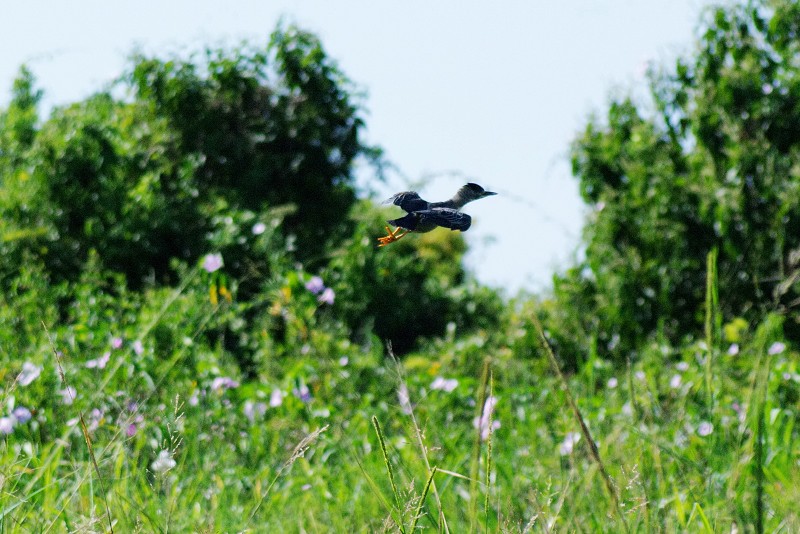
<point>212,262</point>
<point>327,297</point>
<point>138,348</point>
<point>116,343</point>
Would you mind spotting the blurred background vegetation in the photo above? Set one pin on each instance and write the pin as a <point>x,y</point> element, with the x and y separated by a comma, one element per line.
<point>112,208</point>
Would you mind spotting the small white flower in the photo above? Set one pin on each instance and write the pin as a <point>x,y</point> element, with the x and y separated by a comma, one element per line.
<point>675,382</point>
<point>252,410</point>
<point>567,446</point>
<point>344,360</point>
<point>99,363</point>
<point>6,425</point>
<point>68,395</point>
<point>612,382</point>
<point>138,348</point>
<point>444,384</point>
<point>704,429</point>
<point>276,399</point>
<point>776,348</point>
<point>627,409</point>
<point>733,350</point>
<point>640,375</point>
<point>682,366</point>
<point>259,228</point>
<point>163,463</point>
<point>29,373</point>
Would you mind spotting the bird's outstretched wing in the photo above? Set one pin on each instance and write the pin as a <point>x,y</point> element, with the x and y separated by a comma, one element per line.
<point>426,220</point>
<point>409,201</point>
<point>447,217</point>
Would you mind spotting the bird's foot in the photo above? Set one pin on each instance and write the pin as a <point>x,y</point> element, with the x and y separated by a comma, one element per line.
<point>391,236</point>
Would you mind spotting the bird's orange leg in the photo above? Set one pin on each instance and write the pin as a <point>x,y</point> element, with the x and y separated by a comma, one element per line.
<point>391,236</point>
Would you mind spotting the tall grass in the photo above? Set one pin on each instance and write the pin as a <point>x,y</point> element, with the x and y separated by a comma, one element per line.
<point>636,448</point>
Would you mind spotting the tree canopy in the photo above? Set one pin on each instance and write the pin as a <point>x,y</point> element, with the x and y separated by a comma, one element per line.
<point>712,162</point>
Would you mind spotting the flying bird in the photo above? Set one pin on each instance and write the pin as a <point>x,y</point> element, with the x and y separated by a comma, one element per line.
<point>423,216</point>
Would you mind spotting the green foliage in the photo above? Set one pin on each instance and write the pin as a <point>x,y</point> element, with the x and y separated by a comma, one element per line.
<point>716,167</point>
<point>142,180</point>
<point>157,283</point>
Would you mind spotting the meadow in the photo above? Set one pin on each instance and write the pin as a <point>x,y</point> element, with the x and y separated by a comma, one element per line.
<point>191,340</point>
<point>127,415</point>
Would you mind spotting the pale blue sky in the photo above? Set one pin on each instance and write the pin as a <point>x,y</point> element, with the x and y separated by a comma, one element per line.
<point>494,91</point>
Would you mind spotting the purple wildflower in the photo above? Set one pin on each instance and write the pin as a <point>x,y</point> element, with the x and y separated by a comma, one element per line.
<point>302,393</point>
<point>138,348</point>
<point>612,382</point>
<point>315,285</point>
<point>29,373</point>
<point>444,384</point>
<point>116,343</point>
<point>212,262</point>
<point>21,414</point>
<point>733,350</point>
<point>223,382</point>
<point>327,297</point>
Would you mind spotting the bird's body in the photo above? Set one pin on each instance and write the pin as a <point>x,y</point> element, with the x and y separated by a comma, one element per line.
<point>423,216</point>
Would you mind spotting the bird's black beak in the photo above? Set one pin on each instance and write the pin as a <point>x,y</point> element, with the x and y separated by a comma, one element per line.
<point>487,194</point>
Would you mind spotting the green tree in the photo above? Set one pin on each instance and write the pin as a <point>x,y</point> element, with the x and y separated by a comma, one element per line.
<point>142,180</point>
<point>716,166</point>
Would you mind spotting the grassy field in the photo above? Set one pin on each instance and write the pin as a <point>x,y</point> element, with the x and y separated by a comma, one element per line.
<point>126,413</point>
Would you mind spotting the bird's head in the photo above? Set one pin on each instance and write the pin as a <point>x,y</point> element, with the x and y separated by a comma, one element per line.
<point>473,191</point>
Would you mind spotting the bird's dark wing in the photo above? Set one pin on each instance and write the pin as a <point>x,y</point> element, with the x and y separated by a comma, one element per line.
<point>408,201</point>
<point>447,217</point>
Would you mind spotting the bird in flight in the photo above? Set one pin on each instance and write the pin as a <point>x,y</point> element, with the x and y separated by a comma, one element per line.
<point>423,216</point>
